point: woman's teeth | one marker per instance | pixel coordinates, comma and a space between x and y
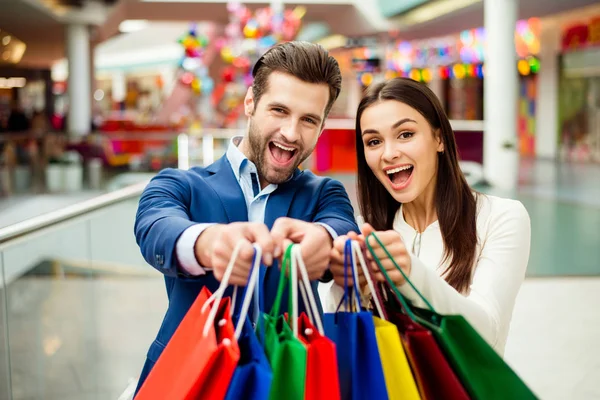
396, 170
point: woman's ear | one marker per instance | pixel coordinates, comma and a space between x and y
440, 142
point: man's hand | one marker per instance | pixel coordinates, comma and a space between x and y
215, 246
314, 240
336, 258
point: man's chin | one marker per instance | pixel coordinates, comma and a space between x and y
276, 176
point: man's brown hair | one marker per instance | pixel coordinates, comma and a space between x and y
306, 61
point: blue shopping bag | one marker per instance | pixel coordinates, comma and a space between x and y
360, 371
253, 376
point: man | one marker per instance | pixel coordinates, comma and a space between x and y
189, 222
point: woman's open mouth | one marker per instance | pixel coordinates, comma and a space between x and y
281, 154
400, 177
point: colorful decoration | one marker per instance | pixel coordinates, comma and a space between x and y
194, 73
471, 46
460, 56
247, 36
526, 114
527, 37
584, 34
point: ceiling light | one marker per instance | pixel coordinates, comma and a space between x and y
333, 42
133, 25
99, 95
9, 83
433, 10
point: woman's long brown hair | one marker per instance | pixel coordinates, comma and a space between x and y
455, 203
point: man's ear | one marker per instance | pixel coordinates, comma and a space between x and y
249, 103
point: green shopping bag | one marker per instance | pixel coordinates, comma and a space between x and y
286, 354
483, 373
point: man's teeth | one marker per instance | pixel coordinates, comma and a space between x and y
283, 147
393, 171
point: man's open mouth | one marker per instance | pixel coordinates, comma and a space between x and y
281, 153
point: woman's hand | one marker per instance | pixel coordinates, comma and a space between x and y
336, 262
395, 246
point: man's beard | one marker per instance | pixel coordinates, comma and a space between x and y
259, 148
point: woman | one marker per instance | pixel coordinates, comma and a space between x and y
465, 252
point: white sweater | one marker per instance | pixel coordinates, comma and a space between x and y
504, 234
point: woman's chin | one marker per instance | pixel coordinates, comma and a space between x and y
406, 195
403, 197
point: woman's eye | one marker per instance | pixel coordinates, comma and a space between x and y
406, 135
373, 142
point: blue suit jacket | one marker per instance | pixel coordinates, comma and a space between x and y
175, 200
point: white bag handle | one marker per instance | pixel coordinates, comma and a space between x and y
308, 296
252, 282
294, 288
357, 252
217, 296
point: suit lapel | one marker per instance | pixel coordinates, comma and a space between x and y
280, 200
228, 189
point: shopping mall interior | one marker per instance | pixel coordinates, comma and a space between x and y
99, 96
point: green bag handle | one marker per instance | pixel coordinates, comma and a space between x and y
286, 267
405, 305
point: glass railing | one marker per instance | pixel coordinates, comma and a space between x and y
78, 304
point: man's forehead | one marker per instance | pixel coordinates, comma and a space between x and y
284, 89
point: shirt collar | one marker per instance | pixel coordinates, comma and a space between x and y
236, 158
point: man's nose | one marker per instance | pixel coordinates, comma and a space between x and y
290, 131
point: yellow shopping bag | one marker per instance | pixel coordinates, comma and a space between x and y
398, 376
399, 380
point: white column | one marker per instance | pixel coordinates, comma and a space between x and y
437, 85
546, 111
79, 84
119, 86
500, 155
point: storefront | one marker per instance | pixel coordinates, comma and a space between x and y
579, 92
454, 68
31, 88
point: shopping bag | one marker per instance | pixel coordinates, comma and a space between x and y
253, 376
321, 362
200, 358
353, 332
286, 354
483, 373
433, 374
399, 379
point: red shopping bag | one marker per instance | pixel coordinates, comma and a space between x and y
322, 381
197, 362
321, 363
434, 376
